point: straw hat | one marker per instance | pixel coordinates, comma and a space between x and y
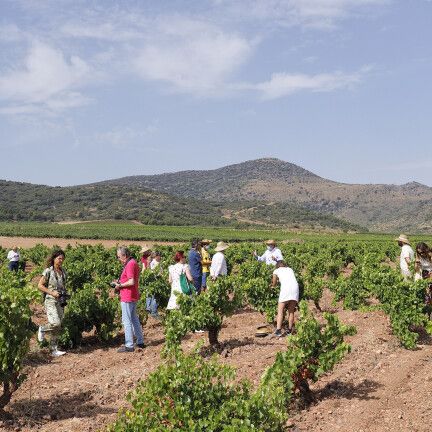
221, 246
270, 242
403, 238
206, 241
145, 248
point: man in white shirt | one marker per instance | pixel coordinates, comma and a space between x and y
272, 255
13, 256
218, 266
406, 256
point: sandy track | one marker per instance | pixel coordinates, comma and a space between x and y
28, 242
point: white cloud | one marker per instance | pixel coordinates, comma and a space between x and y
192, 56
45, 81
285, 84
122, 137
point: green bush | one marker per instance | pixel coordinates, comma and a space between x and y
16, 295
191, 394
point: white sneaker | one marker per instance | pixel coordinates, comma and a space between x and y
57, 353
41, 334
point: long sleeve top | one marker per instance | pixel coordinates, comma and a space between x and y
218, 266
271, 257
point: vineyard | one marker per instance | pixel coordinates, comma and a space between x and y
225, 379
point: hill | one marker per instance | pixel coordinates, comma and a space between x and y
27, 202
379, 207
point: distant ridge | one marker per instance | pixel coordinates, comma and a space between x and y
379, 207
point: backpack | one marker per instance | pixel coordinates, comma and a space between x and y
186, 287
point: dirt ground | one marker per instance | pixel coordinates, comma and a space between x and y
28, 242
378, 387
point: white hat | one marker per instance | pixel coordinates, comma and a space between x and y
145, 248
221, 246
403, 238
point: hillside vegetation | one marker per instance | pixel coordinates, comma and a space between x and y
378, 207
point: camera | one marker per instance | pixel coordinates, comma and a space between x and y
63, 298
112, 284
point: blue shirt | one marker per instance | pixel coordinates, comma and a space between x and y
195, 263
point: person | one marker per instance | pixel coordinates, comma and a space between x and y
156, 259
288, 295
13, 256
406, 256
423, 268
272, 255
145, 258
219, 265
205, 261
195, 265
175, 271
53, 285
127, 286
151, 303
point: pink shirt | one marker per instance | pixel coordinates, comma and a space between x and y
130, 270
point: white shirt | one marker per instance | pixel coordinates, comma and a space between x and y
218, 265
13, 256
271, 256
289, 286
406, 252
154, 264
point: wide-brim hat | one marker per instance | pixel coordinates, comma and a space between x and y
263, 330
206, 241
403, 238
145, 248
270, 242
221, 246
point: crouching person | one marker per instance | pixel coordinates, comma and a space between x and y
127, 286
53, 285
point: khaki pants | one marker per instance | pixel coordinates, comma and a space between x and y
55, 316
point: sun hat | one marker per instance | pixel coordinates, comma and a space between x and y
263, 330
206, 241
270, 242
221, 246
403, 238
145, 248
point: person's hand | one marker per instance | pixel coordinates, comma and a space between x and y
254, 253
55, 294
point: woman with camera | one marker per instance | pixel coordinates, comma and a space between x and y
53, 286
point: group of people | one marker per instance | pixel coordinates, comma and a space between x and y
200, 268
422, 259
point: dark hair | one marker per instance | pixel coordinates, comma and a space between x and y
422, 249
195, 243
53, 256
280, 263
146, 254
157, 254
179, 256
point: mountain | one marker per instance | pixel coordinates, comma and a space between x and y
379, 207
27, 202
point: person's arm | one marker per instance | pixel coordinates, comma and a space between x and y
277, 255
274, 280
188, 274
130, 274
41, 286
262, 257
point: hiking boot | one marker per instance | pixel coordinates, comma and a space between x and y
125, 349
142, 346
57, 353
40, 334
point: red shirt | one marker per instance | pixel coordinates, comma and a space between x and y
130, 293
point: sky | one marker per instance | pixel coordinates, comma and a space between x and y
93, 90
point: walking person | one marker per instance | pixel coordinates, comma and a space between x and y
288, 296
219, 265
53, 285
127, 286
205, 261
13, 256
272, 255
195, 265
406, 256
175, 271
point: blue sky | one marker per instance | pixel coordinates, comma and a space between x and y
91, 90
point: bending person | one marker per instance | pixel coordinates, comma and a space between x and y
288, 296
